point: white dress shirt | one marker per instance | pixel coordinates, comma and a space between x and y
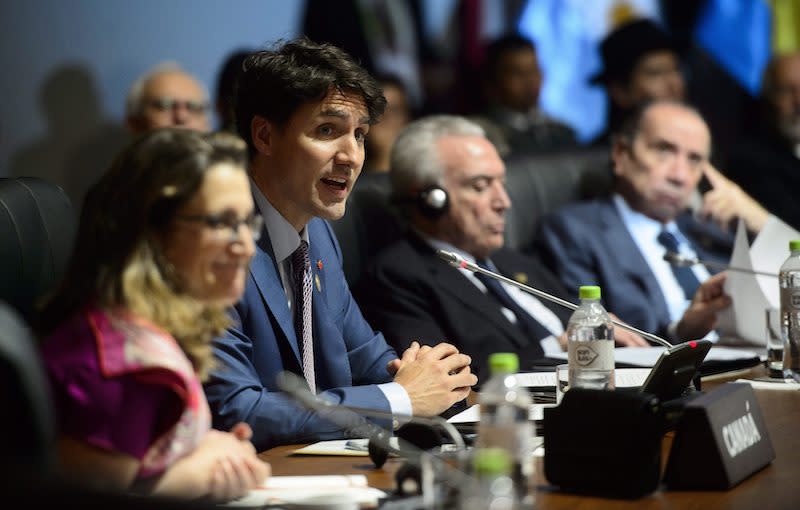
644, 231
526, 301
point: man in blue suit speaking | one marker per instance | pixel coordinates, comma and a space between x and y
304, 110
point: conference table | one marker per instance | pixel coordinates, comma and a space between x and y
775, 487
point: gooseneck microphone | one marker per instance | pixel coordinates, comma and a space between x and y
457, 260
676, 259
354, 423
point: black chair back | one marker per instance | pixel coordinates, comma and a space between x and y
37, 230
28, 425
540, 184
369, 224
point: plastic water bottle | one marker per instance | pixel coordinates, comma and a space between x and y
789, 277
495, 487
504, 422
590, 343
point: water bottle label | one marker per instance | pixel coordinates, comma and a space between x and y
790, 298
597, 354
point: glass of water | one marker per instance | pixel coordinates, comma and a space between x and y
562, 381
774, 342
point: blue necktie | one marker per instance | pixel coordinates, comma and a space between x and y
529, 326
685, 276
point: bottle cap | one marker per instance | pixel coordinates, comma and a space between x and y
794, 245
503, 362
589, 292
492, 461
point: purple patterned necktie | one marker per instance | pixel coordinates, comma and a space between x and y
301, 268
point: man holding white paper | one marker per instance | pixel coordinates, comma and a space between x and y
618, 242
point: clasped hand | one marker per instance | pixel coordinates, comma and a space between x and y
435, 378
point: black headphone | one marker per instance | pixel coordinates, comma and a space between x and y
433, 202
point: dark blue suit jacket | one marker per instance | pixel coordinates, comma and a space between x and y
349, 357
588, 244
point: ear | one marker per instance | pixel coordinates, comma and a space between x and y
260, 131
620, 149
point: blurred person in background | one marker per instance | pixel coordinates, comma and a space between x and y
383, 134
640, 62
512, 120
226, 89
167, 96
766, 162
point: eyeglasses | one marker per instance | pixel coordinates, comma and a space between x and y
164, 104
225, 226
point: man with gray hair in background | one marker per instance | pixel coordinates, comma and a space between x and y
167, 96
450, 182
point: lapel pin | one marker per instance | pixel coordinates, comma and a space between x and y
319, 265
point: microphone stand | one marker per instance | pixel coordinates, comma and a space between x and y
677, 259
456, 260
352, 420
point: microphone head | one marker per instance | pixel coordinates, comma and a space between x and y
451, 258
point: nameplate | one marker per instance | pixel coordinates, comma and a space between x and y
720, 440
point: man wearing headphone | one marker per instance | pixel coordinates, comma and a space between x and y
450, 184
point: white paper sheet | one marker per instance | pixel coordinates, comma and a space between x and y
744, 322
777, 385
294, 489
623, 378
472, 414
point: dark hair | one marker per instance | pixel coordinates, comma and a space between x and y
499, 47
276, 83
117, 260
632, 123
626, 45
391, 79
226, 88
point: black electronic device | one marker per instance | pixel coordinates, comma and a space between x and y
606, 443
433, 202
675, 370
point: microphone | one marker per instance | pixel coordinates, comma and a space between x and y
352, 420
676, 259
457, 260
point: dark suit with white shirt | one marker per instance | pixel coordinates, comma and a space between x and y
408, 293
